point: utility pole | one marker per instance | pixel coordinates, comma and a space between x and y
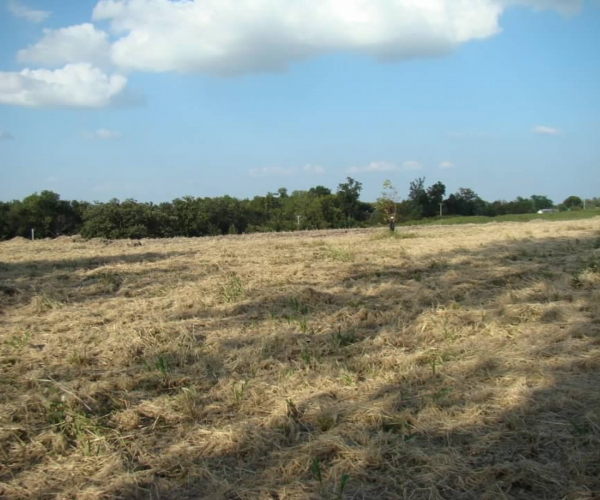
32, 234
298, 216
441, 205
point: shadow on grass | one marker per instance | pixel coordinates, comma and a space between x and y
73, 281
432, 403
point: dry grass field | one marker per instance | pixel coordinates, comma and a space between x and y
458, 362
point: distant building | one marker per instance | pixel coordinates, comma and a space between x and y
547, 210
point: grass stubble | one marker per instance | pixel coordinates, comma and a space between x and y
444, 362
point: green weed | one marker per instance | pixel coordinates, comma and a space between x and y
45, 302
80, 430
344, 339
162, 366
448, 335
400, 428
238, 392
233, 290
292, 409
306, 356
315, 470
340, 254
303, 324
299, 307
78, 358
17, 342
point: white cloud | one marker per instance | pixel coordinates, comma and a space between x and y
103, 134
307, 169
234, 37
82, 43
21, 11
5, 136
75, 85
271, 171
240, 36
446, 164
543, 130
374, 166
313, 169
412, 165
384, 166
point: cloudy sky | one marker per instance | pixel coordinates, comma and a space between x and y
155, 99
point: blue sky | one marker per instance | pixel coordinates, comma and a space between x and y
156, 99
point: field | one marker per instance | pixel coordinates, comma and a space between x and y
482, 219
452, 362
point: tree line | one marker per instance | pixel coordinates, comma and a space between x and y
316, 208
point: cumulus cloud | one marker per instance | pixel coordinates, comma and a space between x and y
412, 165
76, 44
374, 166
307, 169
313, 169
240, 36
384, 166
446, 164
75, 85
233, 37
103, 134
5, 136
271, 171
21, 11
543, 130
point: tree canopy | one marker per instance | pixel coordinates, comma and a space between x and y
315, 208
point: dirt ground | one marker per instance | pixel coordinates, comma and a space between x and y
455, 362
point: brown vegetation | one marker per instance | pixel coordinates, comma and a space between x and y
445, 362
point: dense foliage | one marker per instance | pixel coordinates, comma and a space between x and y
317, 208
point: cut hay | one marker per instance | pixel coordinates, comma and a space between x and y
460, 362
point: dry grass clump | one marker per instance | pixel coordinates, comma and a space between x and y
445, 362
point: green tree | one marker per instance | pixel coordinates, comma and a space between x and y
435, 196
127, 219
573, 202
46, 213
522, 206
417, 198
319, 191
348, 194
592, 202
465, 202
5, 226
425, 202
541, 202
387, 203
